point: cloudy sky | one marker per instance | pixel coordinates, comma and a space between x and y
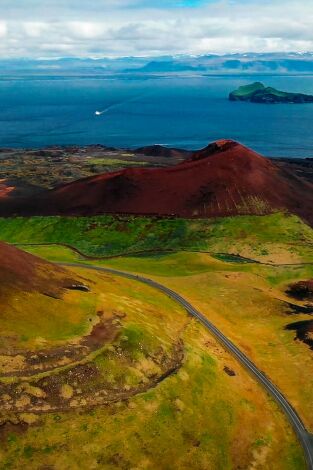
54, 28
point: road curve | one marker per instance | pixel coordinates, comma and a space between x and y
305, 438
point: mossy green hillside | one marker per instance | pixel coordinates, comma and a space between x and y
258, 236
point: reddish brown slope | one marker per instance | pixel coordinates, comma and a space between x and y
23, 271
223, 179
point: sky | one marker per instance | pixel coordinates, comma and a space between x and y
115, 28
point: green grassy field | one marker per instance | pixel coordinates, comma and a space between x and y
161, 384
115, 162
261, 237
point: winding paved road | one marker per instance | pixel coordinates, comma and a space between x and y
305, 438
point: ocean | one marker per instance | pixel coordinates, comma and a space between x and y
184, 112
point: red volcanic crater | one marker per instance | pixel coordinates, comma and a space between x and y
222, 179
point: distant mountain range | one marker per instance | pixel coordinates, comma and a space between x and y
277, 63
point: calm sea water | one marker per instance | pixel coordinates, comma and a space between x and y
180, 112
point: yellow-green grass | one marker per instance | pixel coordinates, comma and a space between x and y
183, 263
163, 264
136, 311
115, 162
248, 303
30, 320
240, 297
53, 253
198, 418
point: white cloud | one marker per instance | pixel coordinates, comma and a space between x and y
85, 30
35, 29
3, 29
118, 27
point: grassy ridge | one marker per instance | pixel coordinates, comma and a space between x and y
108, 235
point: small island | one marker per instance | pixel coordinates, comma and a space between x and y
259, 93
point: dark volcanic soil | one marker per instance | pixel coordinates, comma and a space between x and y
27, 172
302, 167
302, 290
160, 151
223, 179
83, 385
304, 331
